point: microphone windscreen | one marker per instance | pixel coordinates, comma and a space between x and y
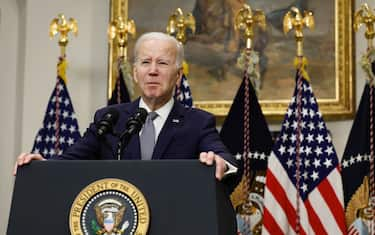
111, 116
107, 121
141, 114
136, 121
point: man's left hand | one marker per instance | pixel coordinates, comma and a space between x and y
209, 158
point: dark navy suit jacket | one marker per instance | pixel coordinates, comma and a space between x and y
186, 133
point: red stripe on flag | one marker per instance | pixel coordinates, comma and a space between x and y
278, 191
330, 196
270, 223
314, 220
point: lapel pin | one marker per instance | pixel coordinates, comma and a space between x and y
175, 121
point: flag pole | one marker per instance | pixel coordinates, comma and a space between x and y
365, 16
245, 20
293, 19
62, 26
177, 26
118, 31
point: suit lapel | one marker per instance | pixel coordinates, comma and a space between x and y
133, 150
172, 124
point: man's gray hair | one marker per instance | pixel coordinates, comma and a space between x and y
164, 37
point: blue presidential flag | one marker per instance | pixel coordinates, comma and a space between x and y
245, 132
120, 93
358, 166
356, 170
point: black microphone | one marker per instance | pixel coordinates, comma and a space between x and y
136, 121
133, 126
107, 122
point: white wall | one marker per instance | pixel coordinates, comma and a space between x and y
28, 70
10, 80
85, 55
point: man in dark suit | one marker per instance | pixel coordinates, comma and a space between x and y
178, 132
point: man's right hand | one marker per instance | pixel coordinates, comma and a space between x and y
26, 158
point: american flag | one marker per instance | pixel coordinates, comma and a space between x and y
183, 93
60, 127
314, 179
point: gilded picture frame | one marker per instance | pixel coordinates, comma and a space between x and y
329, 50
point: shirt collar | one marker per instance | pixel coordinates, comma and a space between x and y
163, 111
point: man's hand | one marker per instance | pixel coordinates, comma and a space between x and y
26, 158
209, 158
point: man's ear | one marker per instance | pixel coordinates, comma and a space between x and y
135, 74
179, 76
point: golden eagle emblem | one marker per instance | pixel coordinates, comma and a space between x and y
109, 214
359, 206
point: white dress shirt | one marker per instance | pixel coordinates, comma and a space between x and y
159, 121
162, 112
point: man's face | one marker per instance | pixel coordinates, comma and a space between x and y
155, 70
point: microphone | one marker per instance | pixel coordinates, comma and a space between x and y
107, 122
133, 126
136, 121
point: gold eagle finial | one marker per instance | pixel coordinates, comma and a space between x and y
365, 16
178, 24
294, 19
62, 26
118, 30
246, 19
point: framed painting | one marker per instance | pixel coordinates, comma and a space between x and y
212, 51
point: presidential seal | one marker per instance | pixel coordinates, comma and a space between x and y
109, 207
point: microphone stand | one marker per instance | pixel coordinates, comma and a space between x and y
119, 147
124, 139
